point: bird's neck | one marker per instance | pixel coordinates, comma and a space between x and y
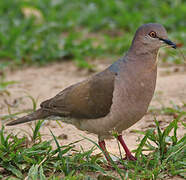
143, 59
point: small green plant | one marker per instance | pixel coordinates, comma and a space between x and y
160, 154
4, 84
46, 31
20, 157
178, 112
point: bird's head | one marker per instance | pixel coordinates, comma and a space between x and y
151, 37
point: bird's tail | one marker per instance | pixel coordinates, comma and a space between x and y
39, 114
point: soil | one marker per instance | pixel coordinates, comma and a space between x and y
44, 82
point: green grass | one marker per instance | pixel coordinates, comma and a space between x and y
160, 154
4, 84
80, 30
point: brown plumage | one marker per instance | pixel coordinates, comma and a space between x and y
85, 99
114, 99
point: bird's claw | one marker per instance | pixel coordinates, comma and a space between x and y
130, 157
110, 167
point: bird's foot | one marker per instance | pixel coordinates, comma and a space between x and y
110, 167
130, 157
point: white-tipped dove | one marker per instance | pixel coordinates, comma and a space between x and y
114, 99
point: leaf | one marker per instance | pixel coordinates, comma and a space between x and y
58, 146
4, 84
36, 129
2, 136
34, 102
98, 168
14, 170
168, 129
159, 132
41, 175
141, 145
33, 172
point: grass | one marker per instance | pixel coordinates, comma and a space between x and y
160, 154
4, 84
40, 32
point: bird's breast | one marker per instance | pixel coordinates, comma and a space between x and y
132, 94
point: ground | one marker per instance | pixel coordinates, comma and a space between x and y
44, 82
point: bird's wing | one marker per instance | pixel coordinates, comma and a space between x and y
90, 99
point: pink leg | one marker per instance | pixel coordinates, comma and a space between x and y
103, 147
129, 155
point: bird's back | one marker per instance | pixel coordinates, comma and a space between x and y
89, 99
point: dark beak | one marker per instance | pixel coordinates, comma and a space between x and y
170, 43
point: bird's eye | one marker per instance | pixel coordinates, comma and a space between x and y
152, 34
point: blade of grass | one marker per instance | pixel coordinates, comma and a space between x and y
112, 162
36, 130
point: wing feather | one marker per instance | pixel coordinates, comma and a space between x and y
91, 98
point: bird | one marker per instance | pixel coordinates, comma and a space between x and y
114, 99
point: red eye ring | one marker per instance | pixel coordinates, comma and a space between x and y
152, 34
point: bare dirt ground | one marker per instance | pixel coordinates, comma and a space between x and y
44, 82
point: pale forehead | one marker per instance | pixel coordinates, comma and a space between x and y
147, 28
